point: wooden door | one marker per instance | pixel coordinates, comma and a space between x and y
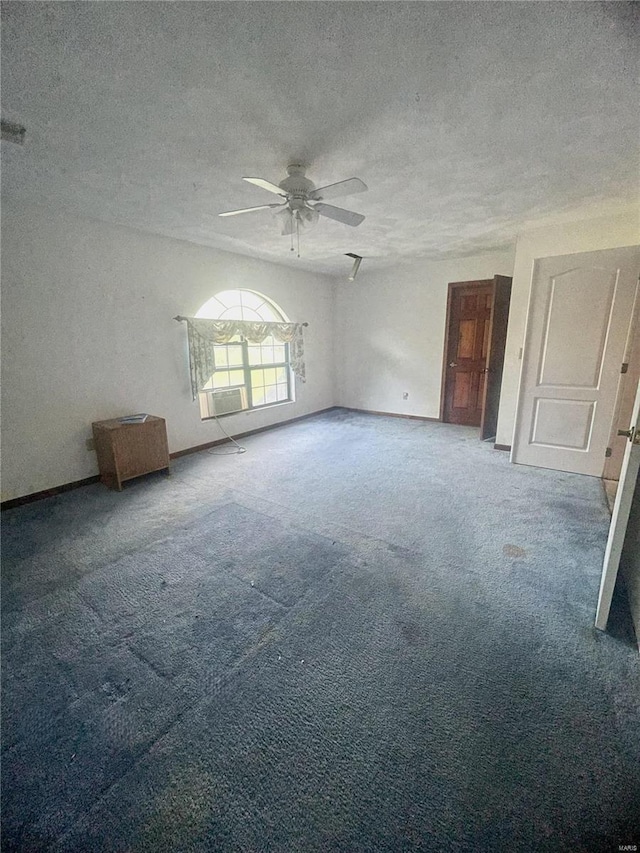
579, 315
620, 516
495, 357
466, 350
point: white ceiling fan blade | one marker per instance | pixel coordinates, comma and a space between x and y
348, 187
266, 185
248, 209
348, 217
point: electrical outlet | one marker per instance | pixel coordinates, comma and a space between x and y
405, 395
90, 444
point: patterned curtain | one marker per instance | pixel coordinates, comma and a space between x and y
205, 334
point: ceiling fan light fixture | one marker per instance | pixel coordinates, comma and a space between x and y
307, 215
286, 221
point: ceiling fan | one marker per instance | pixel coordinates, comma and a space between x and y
302, 203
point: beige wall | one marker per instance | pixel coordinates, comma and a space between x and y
88, 334
608, 232
390, 324
390, 328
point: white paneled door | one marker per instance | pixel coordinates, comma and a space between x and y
620, 516
579, 314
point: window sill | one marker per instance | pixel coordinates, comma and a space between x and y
249, 411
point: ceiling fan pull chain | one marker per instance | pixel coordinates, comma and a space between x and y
298, 233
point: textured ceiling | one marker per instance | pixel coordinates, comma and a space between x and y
466, 120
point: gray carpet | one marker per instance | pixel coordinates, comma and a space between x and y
364, 634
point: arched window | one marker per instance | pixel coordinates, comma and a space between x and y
245, 376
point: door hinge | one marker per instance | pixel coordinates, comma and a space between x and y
624, 367
608, 453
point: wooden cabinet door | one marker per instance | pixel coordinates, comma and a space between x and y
467, 350
141, 448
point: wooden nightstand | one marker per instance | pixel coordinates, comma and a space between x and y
127, 450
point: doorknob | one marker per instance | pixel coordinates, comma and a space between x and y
453, 364
632, 434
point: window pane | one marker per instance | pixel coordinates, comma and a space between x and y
258, 396
250, 299
228, 297
228, 379
271, 392
269, 315
220, 356
281, 374
239, 310
233, 313
221, 379
269, 376
212, 309
278, 353
255, 355
283, 392
235, 356
267, 354
240, 302
257, 378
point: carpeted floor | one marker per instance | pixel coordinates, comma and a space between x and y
364, 634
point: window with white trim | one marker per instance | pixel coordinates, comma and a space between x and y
245, 376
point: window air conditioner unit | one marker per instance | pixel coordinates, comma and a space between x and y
228, 400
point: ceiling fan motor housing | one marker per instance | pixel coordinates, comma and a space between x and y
296, 186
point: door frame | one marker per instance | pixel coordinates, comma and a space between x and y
483, 282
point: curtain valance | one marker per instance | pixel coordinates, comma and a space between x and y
205, 334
